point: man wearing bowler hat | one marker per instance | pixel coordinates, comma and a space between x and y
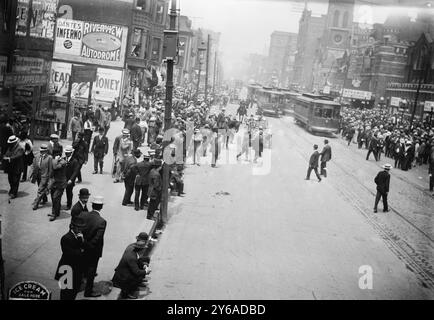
42, 169
132, 268
93, 233
155, 188
81, 205
72, 244
129, 176
382, 180
141, 183
99, 149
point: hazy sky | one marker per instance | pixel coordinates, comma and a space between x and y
246, 25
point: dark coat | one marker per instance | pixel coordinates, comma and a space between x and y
313, 161
155, 184
81, 150
142, 170
72, 169
55, 149
77, 209
59, 173
72, 254
136, 132
382, 180
129, 270
93, 233
129, 173
99, 146
326, 153
16, 163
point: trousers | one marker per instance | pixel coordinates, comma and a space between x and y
153, 206
378, 196
42, 191
129, 188
14, 183
324, 168
140, 196
56, 199
315, 169
69, 194
90, 272
98, 161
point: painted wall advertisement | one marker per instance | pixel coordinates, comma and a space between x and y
106, 87
90, 42
42, 19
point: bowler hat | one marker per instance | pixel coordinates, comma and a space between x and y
83, 192
143, 236
137, 153
78, 221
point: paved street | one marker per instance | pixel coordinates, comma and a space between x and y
31, 243
276, 236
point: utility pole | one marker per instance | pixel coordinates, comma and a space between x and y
424, 71
207, 66
171, 47
215, 74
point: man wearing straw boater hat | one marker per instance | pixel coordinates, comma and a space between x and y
42, 169
14, 165
93, 233
382, 181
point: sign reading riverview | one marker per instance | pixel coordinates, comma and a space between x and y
90, 42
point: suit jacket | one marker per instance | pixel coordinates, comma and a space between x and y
45, 169
142, 170
155, 184
81, 150
313, 162
93, 233
326, 153
99, 146
55, 149
129, 172
16, 163
382, 180
72, 254
77, 209
130, 268
72, 169
136, 132
59, 173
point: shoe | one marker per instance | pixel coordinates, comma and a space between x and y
95, 172
375, 211
319, 180
52, 218
137, 209
92, 294
386, 210
124, 204
132, 296
12, 196
50, 215
306, 179
68, 207
100, 172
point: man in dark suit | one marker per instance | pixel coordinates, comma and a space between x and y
42, 169
14, 158
136, 134
81, 150
130, 176
71, 172
81, 205
72, 244
313, 163
57, 185
326, 155
54, 147
155, 188
373, 145
131, 271
93, 233
141, 171
382, 181
99, 149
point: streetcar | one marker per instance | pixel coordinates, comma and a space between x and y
270, 102
318, 113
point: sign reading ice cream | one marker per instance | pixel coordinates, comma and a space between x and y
89, 42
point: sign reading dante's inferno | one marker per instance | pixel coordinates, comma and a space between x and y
29, 290
89, 42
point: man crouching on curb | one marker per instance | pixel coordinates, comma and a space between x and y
132, 269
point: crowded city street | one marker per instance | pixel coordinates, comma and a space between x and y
166, 151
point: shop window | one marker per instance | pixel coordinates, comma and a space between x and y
156, 44
327, 113
159, 13
136, 43
345, 20
318, 112
336, 19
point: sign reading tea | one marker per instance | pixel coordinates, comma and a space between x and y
89, 42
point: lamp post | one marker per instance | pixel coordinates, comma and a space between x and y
200, 50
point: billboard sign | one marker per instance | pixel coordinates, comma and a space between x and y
89, 42
429, 105
106, 87
356, 94
395, 101
27, 65
43, 19
24, 79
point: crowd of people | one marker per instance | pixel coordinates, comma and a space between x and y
380, 132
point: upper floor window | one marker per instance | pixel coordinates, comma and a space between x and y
345, 20
159, 15
138, 43
336, 19
156, 44
143, 5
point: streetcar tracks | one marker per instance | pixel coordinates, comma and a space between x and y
415, 260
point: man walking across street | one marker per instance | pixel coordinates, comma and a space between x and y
72, 169
14, 158
75, 126
382, 180
326, 155
81, 205
42, 169
88, 130
373, 145
99, 149
93, 233
81, 150
313, 163
58, 185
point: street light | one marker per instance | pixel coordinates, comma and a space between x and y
200, 50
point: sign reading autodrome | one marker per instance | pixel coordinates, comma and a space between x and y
89, 42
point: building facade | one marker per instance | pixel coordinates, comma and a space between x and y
281, 57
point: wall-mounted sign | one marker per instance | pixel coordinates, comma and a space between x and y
356, 94
24, 80
89, 42
395, 101
27, 65
42, 19
429, 105
3, 66
29, 290
106, 87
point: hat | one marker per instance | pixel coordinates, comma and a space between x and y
43, 147
98, 200
137, 153
83, 192
69, 149
12, 139
143, 236
80, 134
387, 166
146, 155
125, 131
152, 119
54, 136
78, 221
